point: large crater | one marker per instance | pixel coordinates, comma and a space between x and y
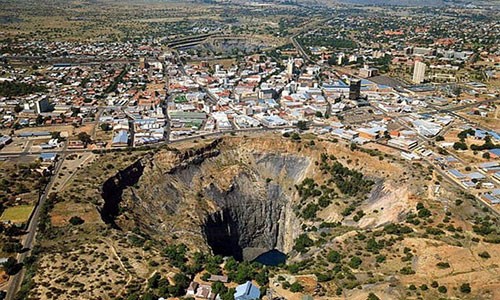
254, 212
238, 202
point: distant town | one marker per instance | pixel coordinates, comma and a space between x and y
418, 84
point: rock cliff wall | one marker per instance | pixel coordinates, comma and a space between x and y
238, 201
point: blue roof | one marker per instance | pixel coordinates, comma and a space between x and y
247, 291
121, 137
48, 156
491, 198
35, 133
490, 164
482, 134
456, 173
450, 159
495, 151
475, 175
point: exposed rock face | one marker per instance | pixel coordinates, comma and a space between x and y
254, 212
112, 189
238, 201
251, 219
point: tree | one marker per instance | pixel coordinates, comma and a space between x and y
460, 146
229, 295
334, 257
148, 296
39, 119
465, 288
442, 289
84, 137
319, 114
176, 254
296, 287
295, 136
262, 277
205, 276
231, 264
486, 155
355, 262
18, 108
302, 243
219, 288
154, 281
106, 127
302, 125
181, 284
372, 296
11, 266
11, 247
443, 265
309, 212
439, 138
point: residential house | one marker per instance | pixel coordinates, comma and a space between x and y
247, 291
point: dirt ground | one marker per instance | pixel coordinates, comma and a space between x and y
465, 266
70, 166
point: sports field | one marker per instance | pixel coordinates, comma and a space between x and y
17, 214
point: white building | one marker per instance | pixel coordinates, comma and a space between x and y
419, 72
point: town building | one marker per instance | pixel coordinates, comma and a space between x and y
247, 291
368, 72
419, 72
42, 105
355, 89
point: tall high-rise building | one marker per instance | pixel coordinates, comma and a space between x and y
289, 67
340, 58
42, 105
142, 62
419, 72
355, 89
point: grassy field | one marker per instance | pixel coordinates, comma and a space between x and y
17, 214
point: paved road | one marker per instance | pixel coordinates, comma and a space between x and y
438, 110
29, 239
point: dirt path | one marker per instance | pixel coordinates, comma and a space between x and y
113, 250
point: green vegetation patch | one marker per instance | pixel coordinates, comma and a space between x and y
12, 89
17, 214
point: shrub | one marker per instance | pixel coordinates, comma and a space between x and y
407, 271
372, 296
443, 265
355, 262
309, 212
465, 288
484, 255
434, 231
296, 287
323, 277
285, 285
302, 243
333, 256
